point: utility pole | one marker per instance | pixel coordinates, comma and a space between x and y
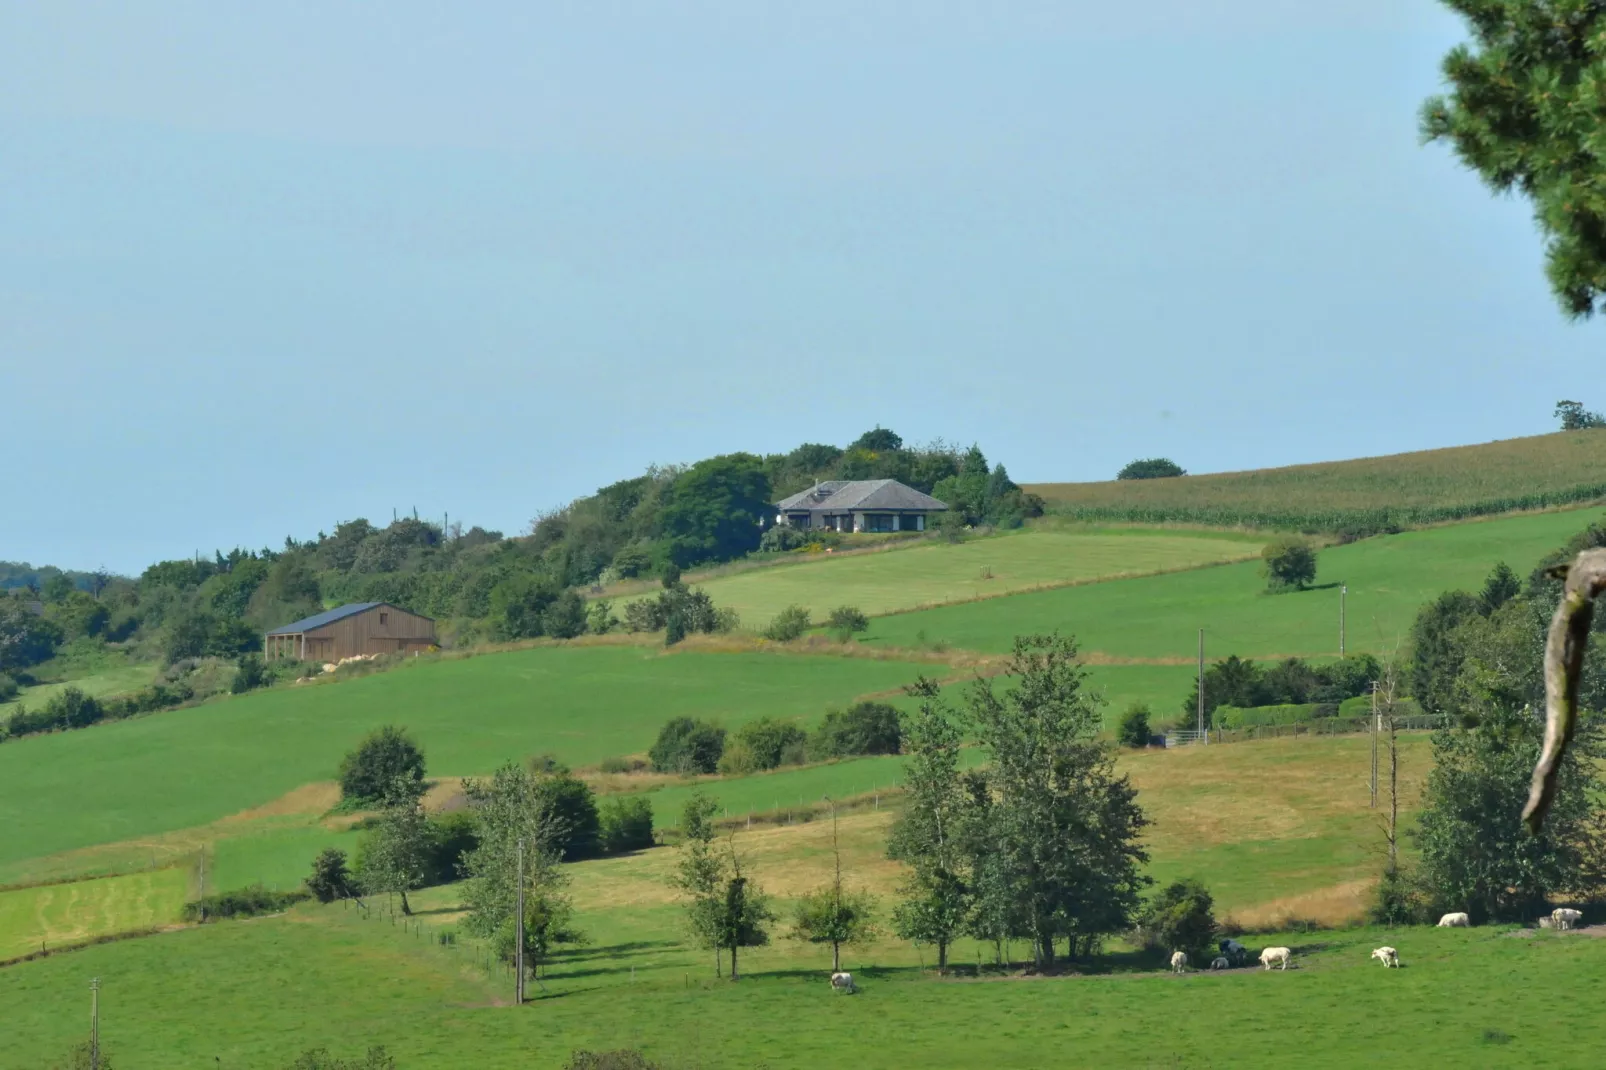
1343, 590
1201, 687
94, 1023
518, 936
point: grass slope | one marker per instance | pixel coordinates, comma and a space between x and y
1407, 488
1389, 578
929, 573
322, 977
187, 767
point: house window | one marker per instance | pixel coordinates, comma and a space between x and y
877, 522
920, 522
384, 619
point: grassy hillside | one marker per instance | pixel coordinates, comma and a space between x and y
1405, 489
1389, 579
186, 767
323, 977
930, 573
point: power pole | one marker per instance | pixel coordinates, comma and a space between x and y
518, 936
1343, 590
1201, 687
94, 1023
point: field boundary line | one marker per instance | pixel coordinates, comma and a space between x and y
55, 882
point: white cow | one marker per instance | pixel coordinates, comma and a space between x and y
1457, 920
1565, 917
843, 982
1273, 956
1220, 963
1179, 961
1387, 956
1235, 951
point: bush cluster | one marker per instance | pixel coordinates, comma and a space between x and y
764, 744
72, 708
1241, 683
626, 824
789, 624
863, 728
241, 903
1180, 917
687, 746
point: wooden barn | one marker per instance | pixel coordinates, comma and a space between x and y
349, 631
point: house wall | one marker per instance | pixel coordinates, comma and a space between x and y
381, 630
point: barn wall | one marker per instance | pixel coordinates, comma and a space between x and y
363, 633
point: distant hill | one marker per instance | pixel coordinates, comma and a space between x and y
1360, 497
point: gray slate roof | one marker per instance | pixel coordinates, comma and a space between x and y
328, 616
841, 495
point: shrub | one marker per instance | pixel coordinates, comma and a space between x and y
1151, 468
626, 823
8, 688
565, 618
73, 709
789, 624
376, 1058
767, 740
387, 756
572, 802
450, 837
1289, 563
622, 1059
251, 674
782, 538
242, 903
622, 765
1180, 918
330, 879
1397, 901
846, 621
687, 746
863, 728
1134, 730
738, 760
82, 1056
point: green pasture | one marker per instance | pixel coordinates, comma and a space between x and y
930, 573
254, 994
1409, 488
56, 914
115, 678
1389, 579
184, 768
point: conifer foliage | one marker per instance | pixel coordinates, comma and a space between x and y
1526, 102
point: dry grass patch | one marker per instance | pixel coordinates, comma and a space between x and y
1340, 905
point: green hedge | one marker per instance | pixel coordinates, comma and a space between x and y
1231, 717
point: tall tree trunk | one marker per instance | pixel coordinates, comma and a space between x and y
836, 957
734, 975
406, 908
942, 957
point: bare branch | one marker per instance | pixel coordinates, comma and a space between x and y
1564, 661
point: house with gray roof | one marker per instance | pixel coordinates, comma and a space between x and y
878, 505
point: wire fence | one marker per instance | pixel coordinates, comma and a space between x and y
1321, 726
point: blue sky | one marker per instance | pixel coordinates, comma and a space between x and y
267, 267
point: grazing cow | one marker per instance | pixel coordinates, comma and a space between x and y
843, 982
1274, 956
1220, 963
1179, 961
1235, 951
1565, 917
1387, 956
1455, 921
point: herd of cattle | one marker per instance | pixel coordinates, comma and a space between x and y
1233, 954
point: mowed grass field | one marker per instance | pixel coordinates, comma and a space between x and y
931, 573
56, 914
1390, 577
1444, 484
184, 768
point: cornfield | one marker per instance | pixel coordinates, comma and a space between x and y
1362, 497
